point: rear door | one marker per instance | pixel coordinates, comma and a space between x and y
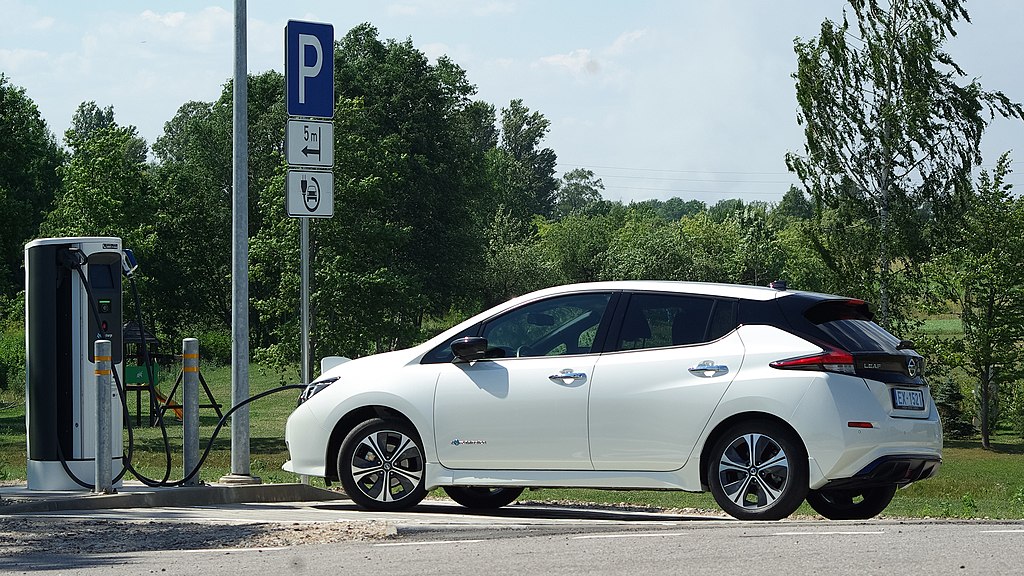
653, 393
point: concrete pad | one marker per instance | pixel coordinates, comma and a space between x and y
137, 495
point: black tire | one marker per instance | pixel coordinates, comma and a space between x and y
482, 498
381, 465
757, 470
851, 504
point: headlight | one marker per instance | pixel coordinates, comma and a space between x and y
313, 387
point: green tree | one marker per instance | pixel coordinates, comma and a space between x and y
888, 116
29, 160
695, 248
761, 249
983, 279
795, 205
191, 277
106, 189
578, 192
576, 245
724, 209
522, 171
191, 271
410, 192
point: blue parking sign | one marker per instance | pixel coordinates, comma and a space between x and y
309, 68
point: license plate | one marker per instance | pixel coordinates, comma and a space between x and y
904, 399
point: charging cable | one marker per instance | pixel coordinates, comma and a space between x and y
74, 259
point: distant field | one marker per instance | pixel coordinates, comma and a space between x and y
942, 327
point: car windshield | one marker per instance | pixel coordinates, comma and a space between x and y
848, 323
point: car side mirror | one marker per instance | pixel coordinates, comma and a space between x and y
470, 348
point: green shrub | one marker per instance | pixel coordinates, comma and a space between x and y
215, 346
12, 343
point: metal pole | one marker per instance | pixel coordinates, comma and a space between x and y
190, 402
304, 241
240, 260
103, 483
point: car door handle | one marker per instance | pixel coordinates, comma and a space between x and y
567, 376
707, 366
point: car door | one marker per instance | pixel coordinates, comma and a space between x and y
525, 406
667, 368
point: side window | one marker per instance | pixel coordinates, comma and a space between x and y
723, 319
658, 320
553, 327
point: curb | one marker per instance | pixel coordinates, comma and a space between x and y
179, 497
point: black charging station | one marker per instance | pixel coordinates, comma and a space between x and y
61, 328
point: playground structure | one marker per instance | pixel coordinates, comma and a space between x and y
138, 375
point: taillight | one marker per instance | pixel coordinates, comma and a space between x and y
831, 360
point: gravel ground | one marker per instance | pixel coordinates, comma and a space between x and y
21, 536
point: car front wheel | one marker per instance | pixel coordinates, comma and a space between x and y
851, 504
757, 470
482, 498
381, 465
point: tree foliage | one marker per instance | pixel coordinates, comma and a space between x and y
29, 181
891, 123
578, 192
983, 279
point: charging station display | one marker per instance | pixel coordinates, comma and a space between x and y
64, 318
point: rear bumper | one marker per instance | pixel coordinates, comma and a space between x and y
888, 470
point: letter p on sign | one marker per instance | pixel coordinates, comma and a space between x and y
309, 69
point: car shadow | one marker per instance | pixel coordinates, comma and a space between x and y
540, 511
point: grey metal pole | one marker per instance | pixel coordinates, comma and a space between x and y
240, 260
103, 483
190, 402
304, 242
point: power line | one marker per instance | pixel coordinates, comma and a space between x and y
603, 176
589, 166
675, 191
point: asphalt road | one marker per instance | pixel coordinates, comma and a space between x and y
441, 538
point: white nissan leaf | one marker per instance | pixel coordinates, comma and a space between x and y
763, 396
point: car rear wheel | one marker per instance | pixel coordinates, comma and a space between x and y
851, 504
482, 498
757, 470
381, 465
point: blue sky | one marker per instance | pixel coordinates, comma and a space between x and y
659, 98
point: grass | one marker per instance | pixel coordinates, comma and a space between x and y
942, 326
972, 483
266, 429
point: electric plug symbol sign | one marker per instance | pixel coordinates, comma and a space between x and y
310, 193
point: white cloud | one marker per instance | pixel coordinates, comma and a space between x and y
402, 10
20, 59
171, 19
195, 32
579, 62
623, 41
44, 23
451, 7
435, 50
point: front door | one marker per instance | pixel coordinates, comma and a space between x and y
526, 406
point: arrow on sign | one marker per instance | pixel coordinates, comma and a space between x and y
307, 151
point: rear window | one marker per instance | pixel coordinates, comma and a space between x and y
848, 324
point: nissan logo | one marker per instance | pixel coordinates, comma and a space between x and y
912, 367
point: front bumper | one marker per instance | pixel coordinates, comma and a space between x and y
306, 439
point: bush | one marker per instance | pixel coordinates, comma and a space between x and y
215, 346
12, 343
949, 399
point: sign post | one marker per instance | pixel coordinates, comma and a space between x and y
309, 141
